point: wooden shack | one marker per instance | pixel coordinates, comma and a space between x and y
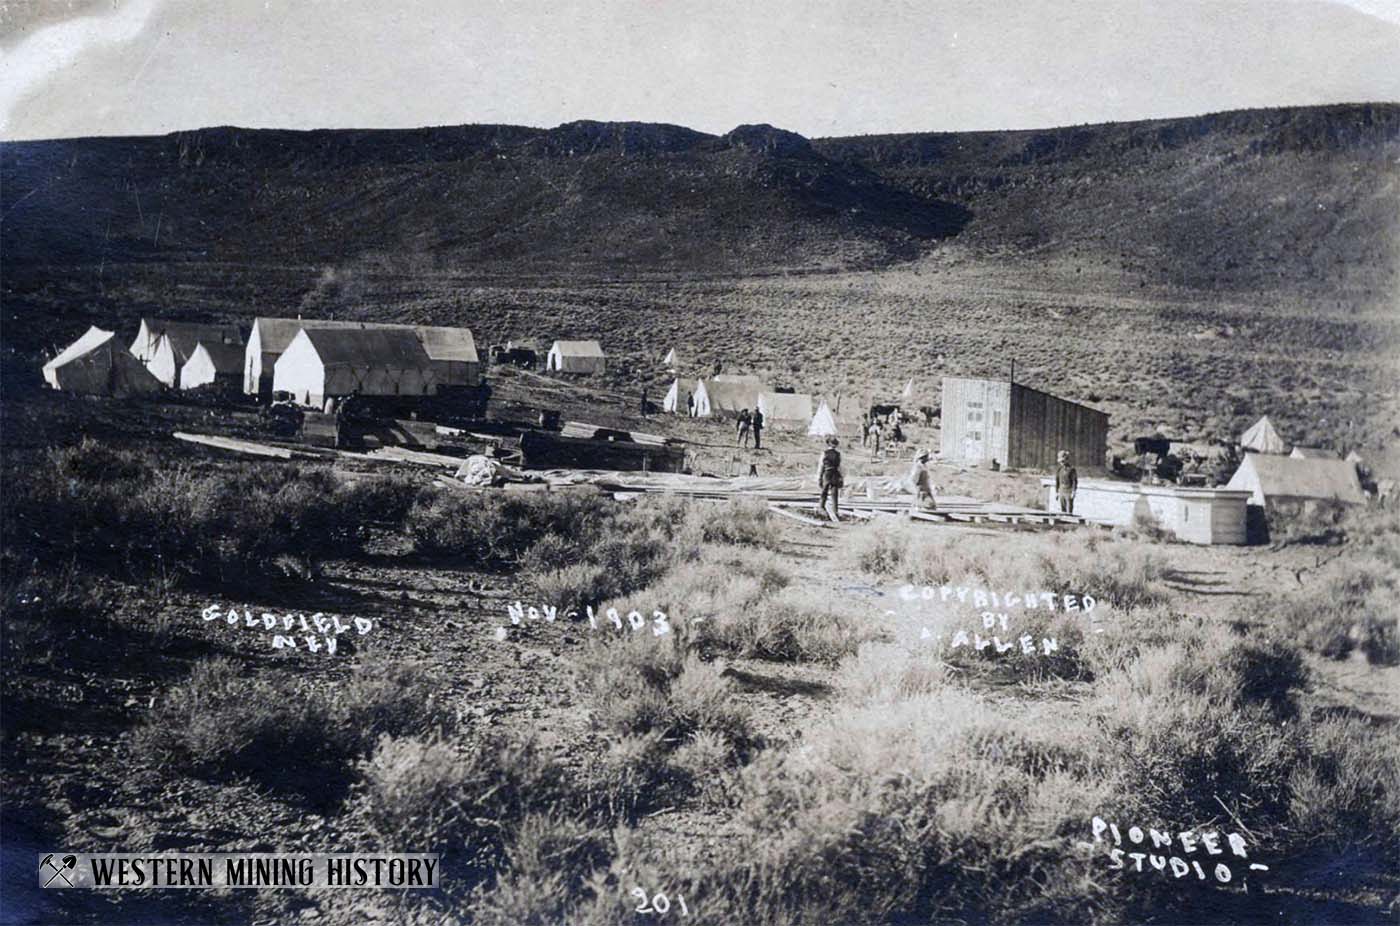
1195, 515
1017, 426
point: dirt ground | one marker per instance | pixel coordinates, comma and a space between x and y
71, 781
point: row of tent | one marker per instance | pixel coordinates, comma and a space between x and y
310, 358
728, 394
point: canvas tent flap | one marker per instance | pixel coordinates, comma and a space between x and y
670, 358
1263, 438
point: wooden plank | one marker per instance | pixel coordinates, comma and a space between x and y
236, 445
797, 517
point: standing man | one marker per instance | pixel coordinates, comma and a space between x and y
875, 435
757, 428
743, 428
644, 400
690, 403
921, 484
1066, 482
830, 479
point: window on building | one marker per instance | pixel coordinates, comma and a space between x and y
996, 419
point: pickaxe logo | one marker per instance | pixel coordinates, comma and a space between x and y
60, 869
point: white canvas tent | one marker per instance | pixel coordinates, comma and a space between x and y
676, 396
96, 364
670, 359
218, 364
1262, 438
785, 410
1276, 478
726, 397
451, 350
576, 357
325, 362
175, 343
823, 423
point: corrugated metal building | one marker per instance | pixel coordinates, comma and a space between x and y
1019, 427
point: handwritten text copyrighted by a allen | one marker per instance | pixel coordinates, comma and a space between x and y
314, 633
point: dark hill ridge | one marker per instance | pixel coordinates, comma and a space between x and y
1299, 198
584, 195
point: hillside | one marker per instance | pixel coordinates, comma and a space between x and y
584, 195
1295, 199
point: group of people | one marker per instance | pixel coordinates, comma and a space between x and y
876, 429
750, 423
831, 479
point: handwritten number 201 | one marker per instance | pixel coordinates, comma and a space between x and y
658, 904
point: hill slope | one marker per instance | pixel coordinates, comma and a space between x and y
1291, 198
590, 195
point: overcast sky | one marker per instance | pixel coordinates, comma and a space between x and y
820, 67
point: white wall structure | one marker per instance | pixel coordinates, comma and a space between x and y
1204, 516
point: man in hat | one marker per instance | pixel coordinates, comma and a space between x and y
1066, 482
920, 482
830, 479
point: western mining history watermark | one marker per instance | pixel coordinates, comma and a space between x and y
113, 870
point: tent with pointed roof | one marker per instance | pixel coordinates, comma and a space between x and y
96, 364
1262, 438
1356, 457
823, 423
786, 411
184, 336
325, 362
1274, 478
212, 364
670, 358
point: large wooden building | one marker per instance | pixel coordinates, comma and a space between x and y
1017, 426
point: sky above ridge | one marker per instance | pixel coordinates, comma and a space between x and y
819, 67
